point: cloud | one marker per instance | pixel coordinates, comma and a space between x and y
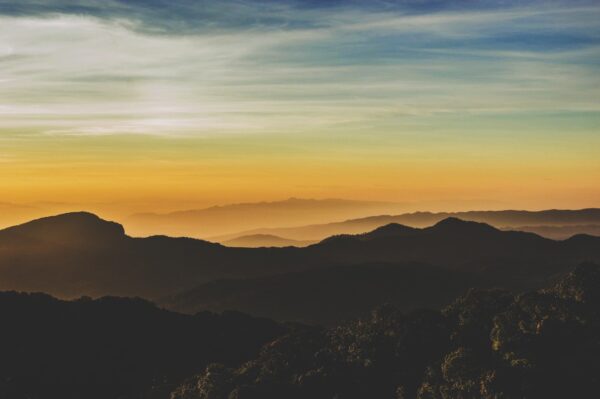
200, 16
142, 67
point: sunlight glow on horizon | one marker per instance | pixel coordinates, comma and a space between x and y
121, 106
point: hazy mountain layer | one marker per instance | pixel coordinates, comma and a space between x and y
265, 240
555, 224
226, 219
561, 232
79, 254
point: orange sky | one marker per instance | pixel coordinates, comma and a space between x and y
163, 174
118, 112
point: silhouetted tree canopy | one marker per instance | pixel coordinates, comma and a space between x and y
488, 344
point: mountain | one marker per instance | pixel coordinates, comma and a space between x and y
468, 254
540, 344
114, 347
460, 245
227, 219
561, 232
264, 240
546, 223
72, 229
485, 344
78, 254
331, 295
317, 232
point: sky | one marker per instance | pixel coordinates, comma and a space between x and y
160, 105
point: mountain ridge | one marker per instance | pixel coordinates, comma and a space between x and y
264, 240
96, 258
226, 219
76, 227
535, 221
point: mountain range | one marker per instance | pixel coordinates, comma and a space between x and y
227, 219
555, 224
393, 264
77, 254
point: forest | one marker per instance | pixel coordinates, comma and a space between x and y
488, 343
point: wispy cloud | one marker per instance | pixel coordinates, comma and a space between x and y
110, 67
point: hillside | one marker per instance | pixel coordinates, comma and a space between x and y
560, 232
331, 295
540, 344
485, 344
555, 224
80, 254
114, 347
460, 245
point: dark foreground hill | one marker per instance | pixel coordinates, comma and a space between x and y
80, 254
113, 347
77, 254
485, 345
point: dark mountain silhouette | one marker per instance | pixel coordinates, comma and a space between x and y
472, 254
388, 230
486, 344
573, 221
86, 255
114, 347
331, 295
560, 232
72, 229
460, 245
264, 240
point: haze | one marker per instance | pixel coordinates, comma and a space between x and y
121, 108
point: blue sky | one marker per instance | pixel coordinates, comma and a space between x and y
247, 58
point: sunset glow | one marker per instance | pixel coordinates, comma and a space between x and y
117, 108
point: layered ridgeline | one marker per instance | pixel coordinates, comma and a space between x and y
485, 344
408, 267
80, 254
554, 224
226, 219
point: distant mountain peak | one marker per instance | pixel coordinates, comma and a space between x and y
451, 221
392, 229
77, 216
455, 224
69, 227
